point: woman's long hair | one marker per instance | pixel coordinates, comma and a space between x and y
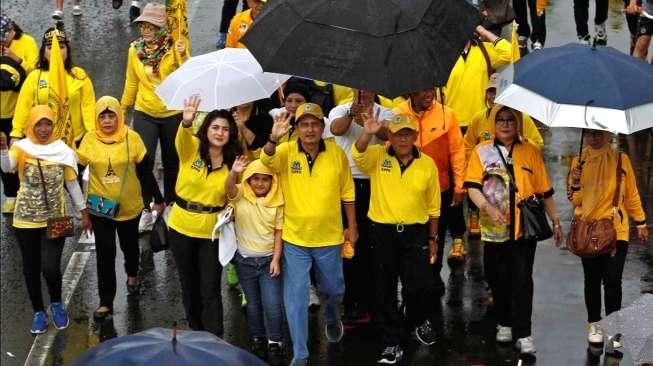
231, 149
44, 64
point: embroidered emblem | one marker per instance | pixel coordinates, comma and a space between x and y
197, 164
296, 167
243, 27
386, 166
43, 84
486, 135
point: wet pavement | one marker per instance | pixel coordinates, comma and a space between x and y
464, 326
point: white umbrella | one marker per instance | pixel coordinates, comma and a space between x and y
222, 79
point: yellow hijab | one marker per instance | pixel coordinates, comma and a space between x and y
274, 198
37, 113
493, 115
113, 105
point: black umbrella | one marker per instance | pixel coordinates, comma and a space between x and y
390, 47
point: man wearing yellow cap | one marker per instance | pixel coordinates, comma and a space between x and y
404, 212
316, 182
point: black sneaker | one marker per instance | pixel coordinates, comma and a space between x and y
391, 355
259, 346
134, 12
424, 333
275, 353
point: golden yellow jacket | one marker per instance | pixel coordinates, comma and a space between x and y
480, 129
140, 84
593, 200
26, 48
81, 96
465, 89
238, 26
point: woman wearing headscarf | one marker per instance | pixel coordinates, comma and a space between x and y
151, 58
36, 90
44, 164
19, 55
591, 187
116, 159
494, 168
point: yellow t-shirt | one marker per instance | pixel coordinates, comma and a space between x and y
107, 170
408, 197
255, 224
313, 197
196, 184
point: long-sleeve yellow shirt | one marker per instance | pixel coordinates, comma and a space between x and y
26, 48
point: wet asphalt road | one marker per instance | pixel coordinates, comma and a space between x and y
465, 328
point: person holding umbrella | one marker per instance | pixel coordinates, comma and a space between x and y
591, 187
150, 59
500, 173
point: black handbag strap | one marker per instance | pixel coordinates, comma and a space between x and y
486, 56
45, 190
124, 175
505, 164
615, 198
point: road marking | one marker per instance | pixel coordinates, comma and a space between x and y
42, 344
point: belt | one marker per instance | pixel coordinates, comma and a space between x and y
196, 207
403, 227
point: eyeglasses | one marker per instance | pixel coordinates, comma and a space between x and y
147, 27
507, 121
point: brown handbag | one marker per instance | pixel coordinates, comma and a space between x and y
58, 227
597, 237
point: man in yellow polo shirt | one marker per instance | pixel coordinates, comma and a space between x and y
404, 212
316, 182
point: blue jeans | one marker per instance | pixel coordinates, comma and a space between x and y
264, 295
297, 263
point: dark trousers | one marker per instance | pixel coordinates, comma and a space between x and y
524, 8
9, 180
199, 274
401, 255
604, 270
358, 270
452, 220
105, 250
581, 15
229, 8
152, 130
40, 255
511, 267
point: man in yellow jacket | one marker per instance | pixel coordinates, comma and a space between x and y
241, 22
19, 55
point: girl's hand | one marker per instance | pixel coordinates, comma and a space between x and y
190, 109
275, 268
239, 164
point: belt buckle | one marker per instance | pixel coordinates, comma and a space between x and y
400, 228
192, 206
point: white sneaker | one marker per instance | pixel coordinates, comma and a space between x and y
57, 14
536, 46
526, 345
77, 10
600, 34
504, 334
147, 221
586, 40
594, 333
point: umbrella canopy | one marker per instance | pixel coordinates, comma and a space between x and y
223, 79
389, 47
580, 86
635, 323
156, 347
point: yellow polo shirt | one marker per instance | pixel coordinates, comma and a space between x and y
196, 184
408, 197
313, 196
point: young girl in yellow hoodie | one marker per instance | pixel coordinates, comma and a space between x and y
258, 211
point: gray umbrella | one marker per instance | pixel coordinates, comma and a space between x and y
635, 323
387, 46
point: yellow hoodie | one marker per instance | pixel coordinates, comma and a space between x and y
81, 96
26, 48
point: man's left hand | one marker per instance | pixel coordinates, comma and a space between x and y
351, 234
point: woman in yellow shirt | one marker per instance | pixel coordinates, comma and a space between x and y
19, 55
205, 159
116, 159
591, 187
150, 59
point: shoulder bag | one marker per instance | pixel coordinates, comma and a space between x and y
596, 237
60, 226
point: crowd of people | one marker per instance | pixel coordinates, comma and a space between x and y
337, 192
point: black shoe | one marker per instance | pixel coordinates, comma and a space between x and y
134, 12
133, 289
116, 4
391, 355
101, 315
259, 346
275, 353
424, 333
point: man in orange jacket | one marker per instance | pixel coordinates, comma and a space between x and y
440, 138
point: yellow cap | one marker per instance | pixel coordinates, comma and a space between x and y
401, 121
309, 109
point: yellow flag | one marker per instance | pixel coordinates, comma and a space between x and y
178, 26
58, 94
514, 42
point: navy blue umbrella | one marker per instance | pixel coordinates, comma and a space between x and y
581, 86
160, 346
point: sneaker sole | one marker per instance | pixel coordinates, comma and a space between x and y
339, 338
422, 341
64, 327
38, 332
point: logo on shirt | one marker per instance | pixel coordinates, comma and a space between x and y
486, 135
386, 166
43, 84
110, 176
197, 164
296, 167
243, 27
